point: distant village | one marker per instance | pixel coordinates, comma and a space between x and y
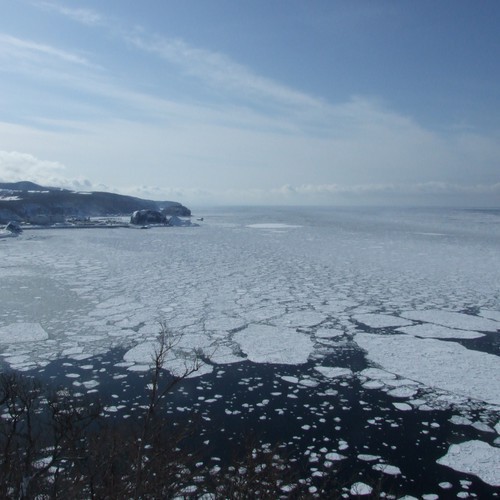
143, 219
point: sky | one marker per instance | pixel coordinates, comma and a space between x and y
255, 102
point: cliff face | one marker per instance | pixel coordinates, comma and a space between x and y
28, 202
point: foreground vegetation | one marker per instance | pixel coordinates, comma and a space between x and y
57, 445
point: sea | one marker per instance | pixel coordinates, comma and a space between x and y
364, 342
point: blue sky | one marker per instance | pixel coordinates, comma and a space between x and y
255, 102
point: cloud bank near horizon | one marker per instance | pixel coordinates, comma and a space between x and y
15, 166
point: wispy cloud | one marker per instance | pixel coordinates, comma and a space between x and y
247, 94
17, 166
88, 17
42, 61
210, 68
17, 47
220, 71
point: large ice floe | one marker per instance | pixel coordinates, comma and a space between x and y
443, 365
22, 332
474, 457
269, 344
381, 320
453, 320
439, 332
361, 313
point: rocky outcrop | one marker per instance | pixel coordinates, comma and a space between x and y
13, 227
142, 217
28, 202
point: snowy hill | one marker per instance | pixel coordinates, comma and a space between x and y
26, 201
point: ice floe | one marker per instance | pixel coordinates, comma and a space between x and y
453, 320
482, 427
381, 320
474, 457
377, 374
366, 457
269, 344
444, 365
308, 382
402, 392
333, 372
458, 420
403, 406
328, 333
142, 355
445, 485
486, 313
390, 470
302, 319
223, 354
334, 456
360, 489
430, 330
22, 332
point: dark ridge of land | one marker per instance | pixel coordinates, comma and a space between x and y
30, 202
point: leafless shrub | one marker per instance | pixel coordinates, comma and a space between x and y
55, 445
